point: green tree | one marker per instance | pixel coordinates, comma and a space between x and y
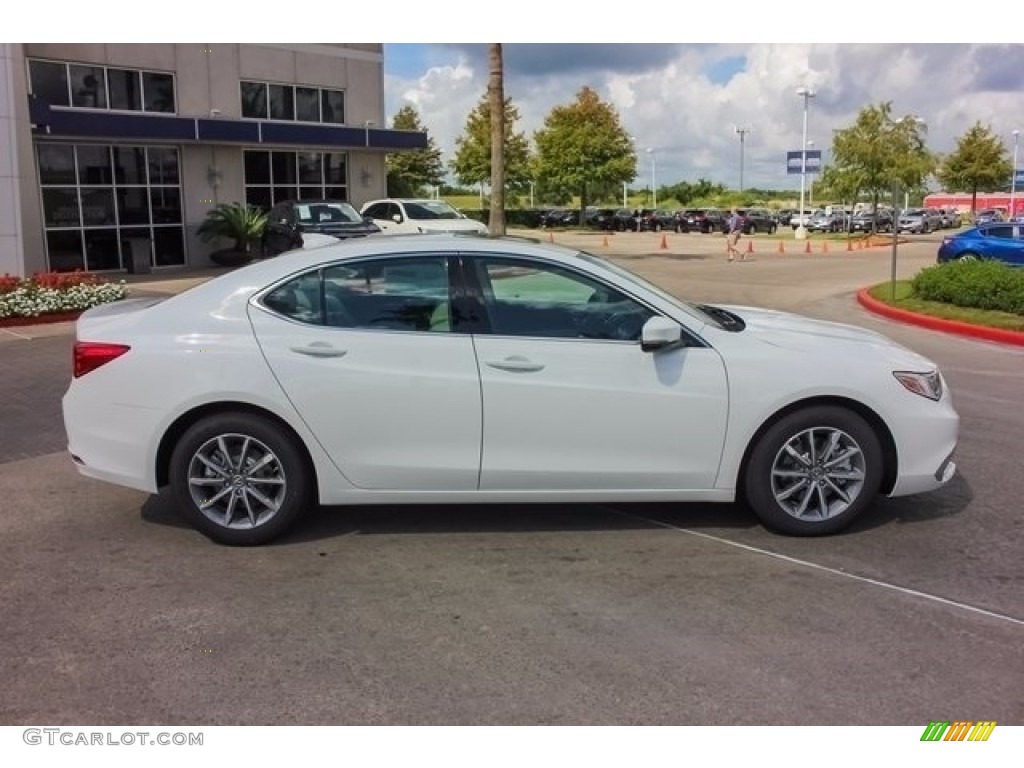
979, 162
878, 153
583, 146
409, 171
472, 160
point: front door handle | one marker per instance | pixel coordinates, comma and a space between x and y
516, 364
320, 349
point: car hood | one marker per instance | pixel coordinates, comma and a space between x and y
791, 331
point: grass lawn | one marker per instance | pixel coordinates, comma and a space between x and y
905, 299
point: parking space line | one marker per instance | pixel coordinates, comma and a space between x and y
827, 569
15, 335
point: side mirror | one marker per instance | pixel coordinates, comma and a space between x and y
397, 218
660, 333
368, 219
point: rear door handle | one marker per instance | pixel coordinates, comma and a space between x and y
320, 349
516, 364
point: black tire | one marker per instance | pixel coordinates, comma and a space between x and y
776, 484
254, 507
968, 256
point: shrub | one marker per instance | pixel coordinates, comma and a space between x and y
234, 221
55, 292
981, 284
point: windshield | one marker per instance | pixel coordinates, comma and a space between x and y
327, 213
431, 209
686, 306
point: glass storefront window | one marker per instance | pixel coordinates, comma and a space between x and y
282, 102
57, 164
98, 206
64, 249
163, 165
307, 105
254, 100
132, 205
63, 84
50, 82
89, 219
270, 177
130, 165
88, 87
101, 249
60, 207
159, 92
125, 92
333, 106
94, 164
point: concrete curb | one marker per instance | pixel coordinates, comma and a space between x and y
957, 327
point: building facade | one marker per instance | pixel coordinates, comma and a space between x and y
112, 153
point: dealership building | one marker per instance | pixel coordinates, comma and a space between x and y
111, 155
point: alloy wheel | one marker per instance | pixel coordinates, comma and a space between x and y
818, 473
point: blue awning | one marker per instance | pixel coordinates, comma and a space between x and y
115, 126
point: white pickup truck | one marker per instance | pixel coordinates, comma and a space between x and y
801, 217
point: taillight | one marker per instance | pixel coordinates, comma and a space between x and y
90, 355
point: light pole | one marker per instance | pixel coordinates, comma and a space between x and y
1013, 179
807, 94
366, 129
810, 187
531, 194
654, 178
742, 134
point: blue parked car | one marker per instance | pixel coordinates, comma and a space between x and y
1002, 241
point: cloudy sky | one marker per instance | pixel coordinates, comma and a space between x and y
685, 100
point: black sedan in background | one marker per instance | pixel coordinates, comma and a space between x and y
290, 218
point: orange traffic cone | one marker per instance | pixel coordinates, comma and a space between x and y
782, 248
551, 237
849, 244
824, 246
664, 243
750, 246
807, 246
604, 242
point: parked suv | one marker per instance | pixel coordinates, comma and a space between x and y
707, 220
290, 219
866, 221
759, 220
656, 220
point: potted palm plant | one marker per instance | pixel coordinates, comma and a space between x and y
238, 222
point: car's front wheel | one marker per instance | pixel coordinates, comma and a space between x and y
239, 478
814, 471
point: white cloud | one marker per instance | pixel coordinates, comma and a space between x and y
684, 109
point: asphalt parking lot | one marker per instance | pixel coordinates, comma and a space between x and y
116, 612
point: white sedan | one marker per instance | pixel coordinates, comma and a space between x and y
399, 216
447, 369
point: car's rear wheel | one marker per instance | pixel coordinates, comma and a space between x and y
814, 471
239, 478
968, 256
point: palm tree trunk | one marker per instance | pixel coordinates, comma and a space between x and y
496, 94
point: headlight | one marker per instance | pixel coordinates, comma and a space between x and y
924, 384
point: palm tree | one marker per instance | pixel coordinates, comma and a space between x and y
234, 221
496, 94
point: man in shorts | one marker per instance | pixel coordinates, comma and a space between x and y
733, 235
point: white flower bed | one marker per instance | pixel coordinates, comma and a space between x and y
29, 300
